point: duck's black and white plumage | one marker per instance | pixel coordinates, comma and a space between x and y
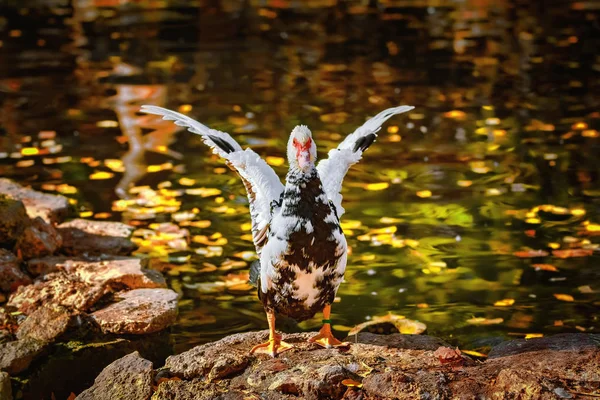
295, 228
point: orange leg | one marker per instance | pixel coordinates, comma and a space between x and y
275, 345
325, 338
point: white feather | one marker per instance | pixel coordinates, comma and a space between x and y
333, 169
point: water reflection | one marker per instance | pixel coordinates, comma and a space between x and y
506, 123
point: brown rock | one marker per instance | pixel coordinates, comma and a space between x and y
565, 341
11, 276
52, 208
45, 324
39, 239
58, 288
82, 236
113, 271
396, 340
5, 388
309, 372
140, 311
128, 378
13, 219
15, 357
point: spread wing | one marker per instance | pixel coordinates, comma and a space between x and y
261, 182
333, 169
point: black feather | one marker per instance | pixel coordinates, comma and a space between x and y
254, 273
222, 144
364, 142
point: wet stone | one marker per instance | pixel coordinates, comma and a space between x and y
111, 271
46, 323
13, 219
5, 388
139, 311
39, 239
58, 288
16, 356
560, 342
11, 275
96, 237
128, 378
52, 208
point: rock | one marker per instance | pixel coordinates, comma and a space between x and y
5, 336
11, 276
564, 341
39, 239
57, 288
73, 366
46, 323
13, 219
5, 388
226, 368
116, 272
128, 378
415, 342
15, 357
82, 236
140, 311
52, 208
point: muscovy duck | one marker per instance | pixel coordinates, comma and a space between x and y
295, 228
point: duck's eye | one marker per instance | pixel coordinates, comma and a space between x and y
295, 143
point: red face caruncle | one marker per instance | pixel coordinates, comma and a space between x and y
302, 147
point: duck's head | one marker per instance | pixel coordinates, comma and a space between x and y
301, 149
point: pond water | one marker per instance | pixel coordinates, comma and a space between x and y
476, 213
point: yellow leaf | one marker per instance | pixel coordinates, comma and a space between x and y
275, 161
455, 114
376, 186
564, 297
101, 175
504, 303
473, 353
485, 321
534, 335
464, 183
30, 151
424, 194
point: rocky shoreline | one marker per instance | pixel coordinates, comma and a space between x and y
73, 300
565, 366
70, 295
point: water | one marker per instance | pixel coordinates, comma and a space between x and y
499, 157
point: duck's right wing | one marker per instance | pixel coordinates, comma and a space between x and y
262, 183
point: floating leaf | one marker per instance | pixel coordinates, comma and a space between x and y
485, 321
545, 267
424, 194
474, 353
101, 175
531, 253
564, 297
390, 323
534, 335
572, 253
504, 303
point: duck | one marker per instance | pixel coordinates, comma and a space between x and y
301, 248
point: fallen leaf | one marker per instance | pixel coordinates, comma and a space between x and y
530, 253
545, 267
485, 321
572, 253
448, 355
351, 383
564, 297
534, 335
474, 353
394, 323
504, 303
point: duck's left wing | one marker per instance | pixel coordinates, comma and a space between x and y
333, 169
262, 183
